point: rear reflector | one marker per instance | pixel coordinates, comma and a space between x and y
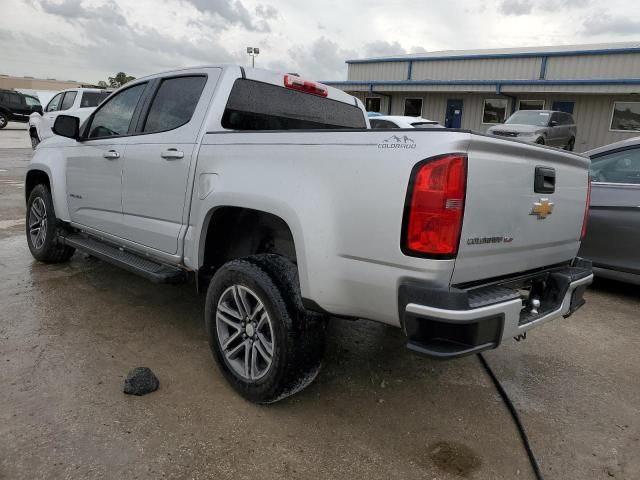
585, 219
296, 83
435, 207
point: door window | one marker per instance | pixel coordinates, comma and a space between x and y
13, 99
114, 117
68, 100
93, 99
54, 104
32, 101
617, 167
174, 103
413, 107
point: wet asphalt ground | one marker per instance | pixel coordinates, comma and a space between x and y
69, 334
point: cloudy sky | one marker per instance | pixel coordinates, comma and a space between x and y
89, 40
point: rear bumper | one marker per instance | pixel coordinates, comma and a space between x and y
450, 323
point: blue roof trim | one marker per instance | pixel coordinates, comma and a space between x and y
486, 56
610, 81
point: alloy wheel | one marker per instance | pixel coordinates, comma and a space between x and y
38, 223
245, 332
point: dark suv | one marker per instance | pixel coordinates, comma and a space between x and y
16, 107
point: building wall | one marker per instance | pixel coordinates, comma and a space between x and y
591, 112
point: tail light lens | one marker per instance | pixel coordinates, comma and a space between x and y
585, 219
435, 207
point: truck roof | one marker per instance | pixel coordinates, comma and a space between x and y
266, 76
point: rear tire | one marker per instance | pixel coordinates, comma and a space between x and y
254, 305
42, 228
4, 120
540, 141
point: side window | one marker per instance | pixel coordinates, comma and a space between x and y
14, 99
69, 98
618, 167
174, 103
114, 117
54, 104
568, 119
92, 99
32, 101
555, 118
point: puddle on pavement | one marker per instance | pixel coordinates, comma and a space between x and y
454, 457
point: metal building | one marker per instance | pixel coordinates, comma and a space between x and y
474, 89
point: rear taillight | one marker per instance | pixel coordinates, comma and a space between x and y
435, 207
585, 219
296, 83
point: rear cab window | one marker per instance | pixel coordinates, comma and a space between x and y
254, 105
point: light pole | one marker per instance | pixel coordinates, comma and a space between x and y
253, 51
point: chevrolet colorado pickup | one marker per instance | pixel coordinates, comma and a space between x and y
272, 193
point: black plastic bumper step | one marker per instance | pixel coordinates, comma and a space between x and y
150, 269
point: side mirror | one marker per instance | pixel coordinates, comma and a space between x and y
67, 126
38, 109
553, 123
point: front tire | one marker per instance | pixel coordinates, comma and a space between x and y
264, 341
4, 120
42, 228
540, 141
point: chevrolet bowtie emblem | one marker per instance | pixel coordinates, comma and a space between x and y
542, 209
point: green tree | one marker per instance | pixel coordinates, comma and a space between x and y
120, 79
103, 84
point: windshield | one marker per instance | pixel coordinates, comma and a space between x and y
524, 117
93, 99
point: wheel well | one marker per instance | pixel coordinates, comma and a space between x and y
235, 232
35, 177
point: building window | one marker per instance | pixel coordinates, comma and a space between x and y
372, 104
626, 117
531, 105
413, 107
495, 110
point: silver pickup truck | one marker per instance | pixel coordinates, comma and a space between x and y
274, 197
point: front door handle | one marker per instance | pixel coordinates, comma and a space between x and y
111, 155
172, 154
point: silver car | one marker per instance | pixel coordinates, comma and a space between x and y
544, 127
613, 228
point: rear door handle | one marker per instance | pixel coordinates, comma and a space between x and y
111, 155
172, 154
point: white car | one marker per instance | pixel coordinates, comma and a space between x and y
79, 102
398, 121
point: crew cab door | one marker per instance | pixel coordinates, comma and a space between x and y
95, 164
158, 166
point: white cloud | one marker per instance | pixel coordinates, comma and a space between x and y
89, 40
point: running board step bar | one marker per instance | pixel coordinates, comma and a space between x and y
150, 269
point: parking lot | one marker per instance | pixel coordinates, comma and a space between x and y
69, 334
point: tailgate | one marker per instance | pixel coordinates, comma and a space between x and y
508, 227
